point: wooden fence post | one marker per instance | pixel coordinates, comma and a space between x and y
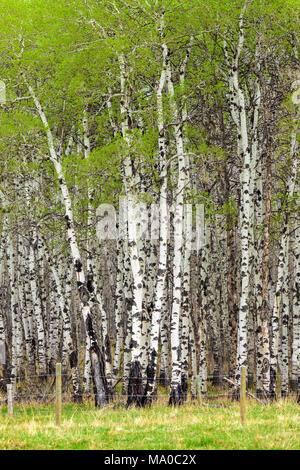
243, 394
199, 393
58, 394
9, 399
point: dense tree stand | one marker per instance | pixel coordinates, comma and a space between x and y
149, 198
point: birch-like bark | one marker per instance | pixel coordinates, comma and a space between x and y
296, 312
204, 308
176, 389
53, 328
135, 391
24, 307
231, 285
194, 364
283, 253
263, 378
119, 310
186, 313
164, 370
14, 304
100, 385
213, 318
239, 115
187, 248
91, 264
71, 349
128, 309
163, 240
285, 327
37, 308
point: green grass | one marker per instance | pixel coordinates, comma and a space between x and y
275, 426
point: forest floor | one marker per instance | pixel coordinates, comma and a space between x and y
275, 426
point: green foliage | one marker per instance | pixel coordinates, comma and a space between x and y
69, 52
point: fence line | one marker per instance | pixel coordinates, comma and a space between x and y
59, 395
165, 379
91, 394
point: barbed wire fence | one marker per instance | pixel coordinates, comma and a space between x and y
221, 395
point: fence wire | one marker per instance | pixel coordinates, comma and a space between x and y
221, 390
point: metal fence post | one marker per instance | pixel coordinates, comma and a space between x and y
10, 400
243, 394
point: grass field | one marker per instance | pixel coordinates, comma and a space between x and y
275, 426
